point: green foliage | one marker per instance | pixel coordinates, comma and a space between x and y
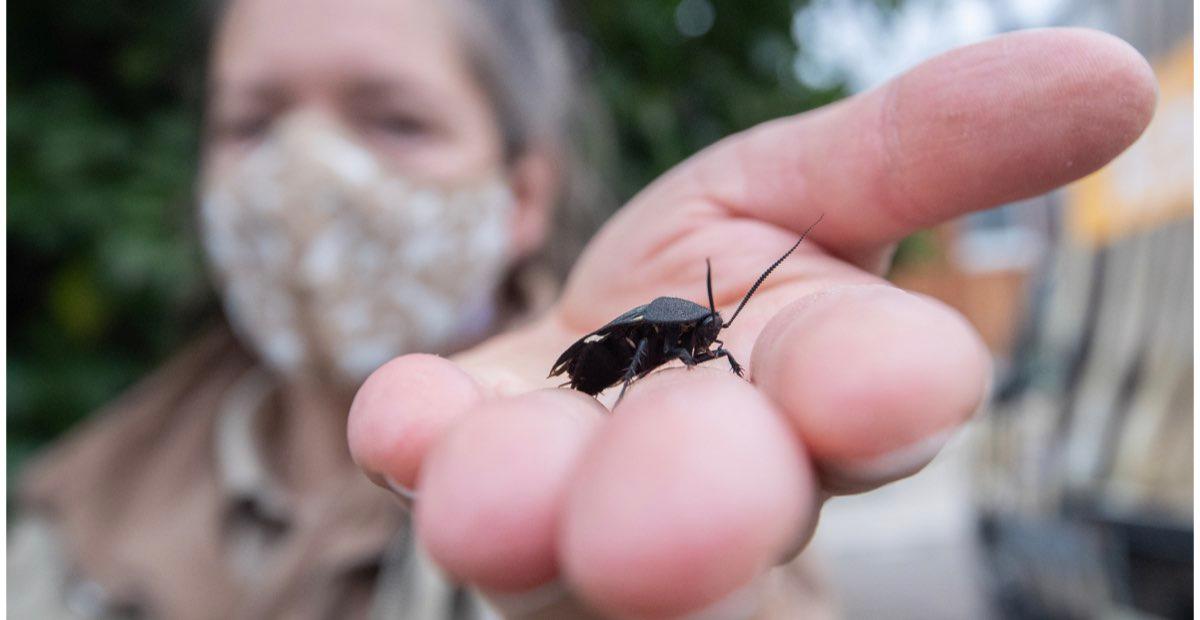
105, 278
671, 94
104, 275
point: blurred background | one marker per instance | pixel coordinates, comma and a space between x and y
1070, 497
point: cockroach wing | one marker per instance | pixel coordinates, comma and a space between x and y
626, 319
674, 311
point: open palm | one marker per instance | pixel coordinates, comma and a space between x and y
699, 482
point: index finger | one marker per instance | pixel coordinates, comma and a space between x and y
1008, 118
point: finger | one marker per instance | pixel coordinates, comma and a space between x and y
694, 486
875, 379
492, 489
401, 410
1008, 118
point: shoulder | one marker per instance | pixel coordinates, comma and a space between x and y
154, 408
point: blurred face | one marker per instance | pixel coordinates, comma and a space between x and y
391, 72
356, 201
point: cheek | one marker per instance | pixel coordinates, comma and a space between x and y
223, 158
218, 161
438, 161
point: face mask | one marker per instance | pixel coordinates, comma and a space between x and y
330, 265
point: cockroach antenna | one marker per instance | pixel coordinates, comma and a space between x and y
765, 273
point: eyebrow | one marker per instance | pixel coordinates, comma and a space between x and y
364, 90
269, 92
373, 90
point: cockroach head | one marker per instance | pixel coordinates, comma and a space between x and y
709, 327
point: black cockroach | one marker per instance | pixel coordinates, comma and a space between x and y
634, 344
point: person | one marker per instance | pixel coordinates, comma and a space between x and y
221, 487
378, 176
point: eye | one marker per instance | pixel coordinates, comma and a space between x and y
243, 128
403, 126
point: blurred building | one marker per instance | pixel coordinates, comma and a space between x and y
1085, 477
1072, 496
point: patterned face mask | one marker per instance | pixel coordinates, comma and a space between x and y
330, 265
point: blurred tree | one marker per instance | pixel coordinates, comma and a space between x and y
105, 278
679, 75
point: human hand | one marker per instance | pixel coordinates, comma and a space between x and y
699, 482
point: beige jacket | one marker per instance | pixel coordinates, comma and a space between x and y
165, 505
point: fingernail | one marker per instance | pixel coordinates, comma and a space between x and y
742, 603
857, 476
407, 496
528, 602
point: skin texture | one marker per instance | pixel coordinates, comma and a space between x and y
700, 481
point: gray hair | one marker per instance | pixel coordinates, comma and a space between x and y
521, 56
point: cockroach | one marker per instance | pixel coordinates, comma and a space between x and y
634, 344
